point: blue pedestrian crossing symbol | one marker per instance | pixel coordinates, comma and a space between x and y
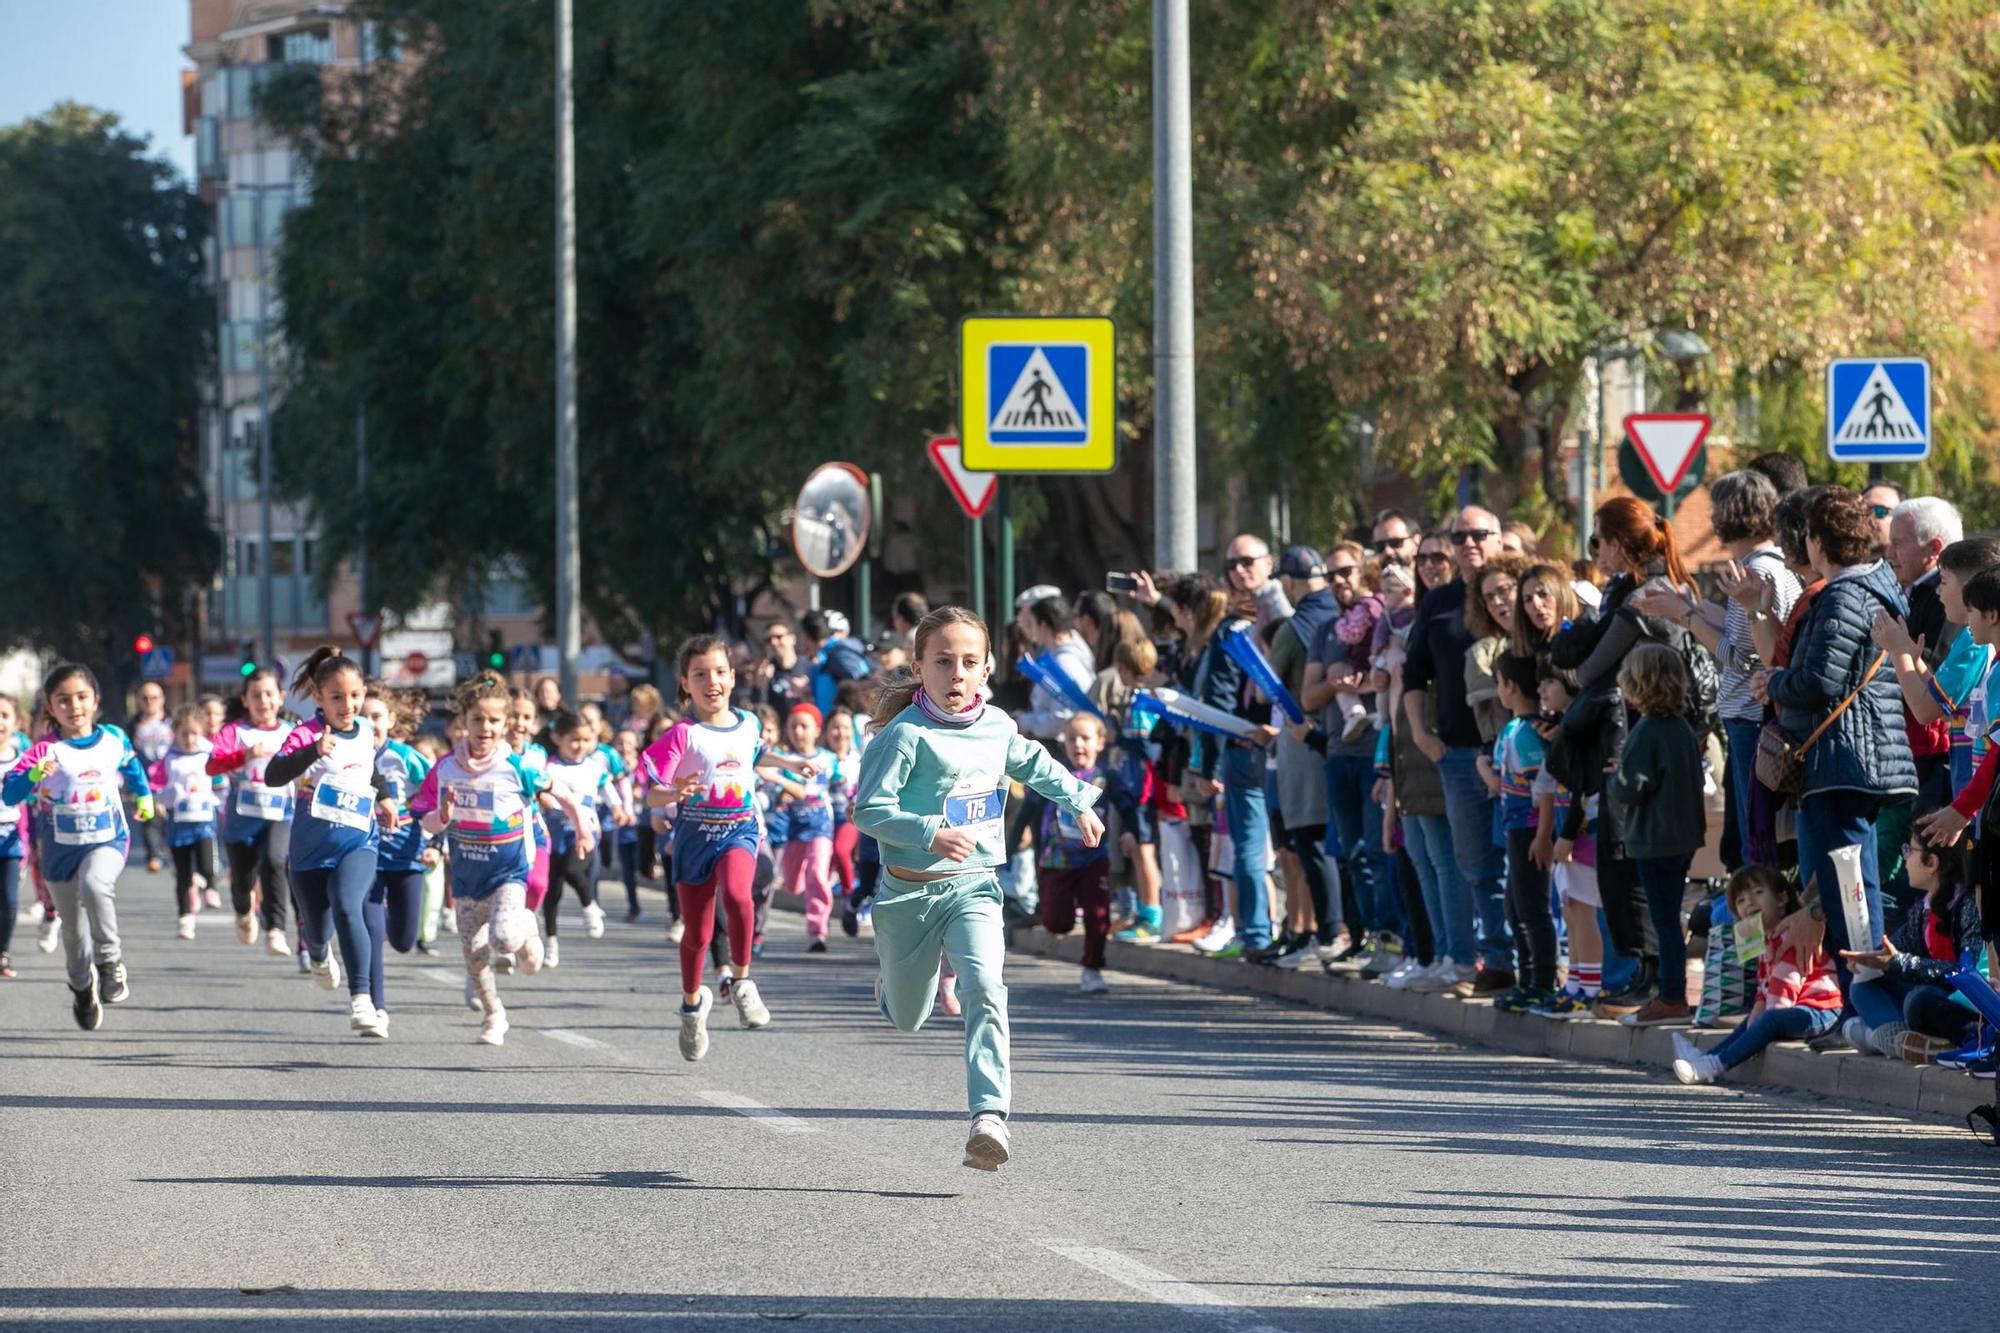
1878, 409
1036, 393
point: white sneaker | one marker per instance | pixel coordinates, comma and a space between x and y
1436, 979
363, 1018
986, 1149
1093, 982
185, 927
382, 1016
275, 944
210, 898
493, 1031
36, 912
1218, 937
694, 1026
550, 956
750, 1010
327, 973
593, 921
674, 933
447, 921
530, 956
471, 996
246, 929
50, 937
1701, 1070
1403, 973
1298, 957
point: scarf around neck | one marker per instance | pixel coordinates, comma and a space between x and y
932, 711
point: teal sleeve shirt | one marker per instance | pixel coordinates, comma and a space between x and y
918, 778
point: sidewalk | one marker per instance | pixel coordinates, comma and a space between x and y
1843, 1075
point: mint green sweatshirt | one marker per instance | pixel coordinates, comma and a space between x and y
918, 777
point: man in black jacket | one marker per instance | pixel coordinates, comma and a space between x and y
1439, 642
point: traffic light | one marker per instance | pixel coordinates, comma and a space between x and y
249, 652
496, 651
142, 644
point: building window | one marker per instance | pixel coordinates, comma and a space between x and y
208, 148
241, 348
378, 42
310, 46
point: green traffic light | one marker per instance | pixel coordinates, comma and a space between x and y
247, 670
498, 661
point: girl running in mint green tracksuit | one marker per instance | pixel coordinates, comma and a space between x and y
933, 792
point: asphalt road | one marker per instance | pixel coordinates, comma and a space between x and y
224, 1154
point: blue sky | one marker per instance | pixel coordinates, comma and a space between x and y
118, 55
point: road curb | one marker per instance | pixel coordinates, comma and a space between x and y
1840, 1075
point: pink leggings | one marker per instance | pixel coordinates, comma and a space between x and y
808, 871
731, 878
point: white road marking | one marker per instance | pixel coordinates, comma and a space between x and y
443, 977
1164, 1288
775, 1121
569, 1038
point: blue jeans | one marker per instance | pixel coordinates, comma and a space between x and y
1242, 776
1354, 830
1428, 838
1742, 740
1922, 1008
1663, 879
1469, 808
1797, 1023
1840, 819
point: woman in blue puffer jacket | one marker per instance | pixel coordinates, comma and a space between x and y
1863, 762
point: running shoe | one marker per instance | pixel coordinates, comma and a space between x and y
327, 971
1919, 1048
276, 945
111, 983
593, 921
1658, 1013
1273, 951
1565, 1004
1699, 1071
427, 949
1983, 1067
1444, 978
448, 921
675, 931
246, 930
1093, 982
1970, 1053
6, 966
694, 1026
1493, 982
551, 956
850, 920
1403, 973
631, 916
184, 928
818, 944
152, 865
986, 1148
51, 935
1193, 933
1855, 1030
725, 988
756, 946
1388, 955
89, 1014
1301, 953
750, 1010
1220, 934
210, 898
361, 1016
1229, 952
471, 996
493, 1029
1521, 999
1140, 933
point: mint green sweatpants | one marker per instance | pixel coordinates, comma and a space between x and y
960, 918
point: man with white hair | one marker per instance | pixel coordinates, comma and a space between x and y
1248, 565
1919, 530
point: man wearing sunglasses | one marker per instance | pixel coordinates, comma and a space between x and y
1247, 565
1443, 726
1882, 497
1395, 537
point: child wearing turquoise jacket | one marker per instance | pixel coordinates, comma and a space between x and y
933, 793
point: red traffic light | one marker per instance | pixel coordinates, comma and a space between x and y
143, 644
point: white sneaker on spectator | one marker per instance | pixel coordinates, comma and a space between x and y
1436, 979
1217, 938
1855, 1030
1306, 951
1404, 973
1703, 1069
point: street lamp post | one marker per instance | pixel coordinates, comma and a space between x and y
1173, 294
569, 622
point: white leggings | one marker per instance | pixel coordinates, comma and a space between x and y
502, 921
89, 907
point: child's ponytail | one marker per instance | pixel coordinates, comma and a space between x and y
324, 664
898, 689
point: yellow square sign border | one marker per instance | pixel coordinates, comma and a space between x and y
1097, 454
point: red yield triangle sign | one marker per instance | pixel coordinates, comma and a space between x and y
365, 628
972, 490
1667, 443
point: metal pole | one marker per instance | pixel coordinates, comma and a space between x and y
864, 601
364, 576
569, 561
1006, 561
978, 531
266, 609
1173, 299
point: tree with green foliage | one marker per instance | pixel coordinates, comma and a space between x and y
103, 528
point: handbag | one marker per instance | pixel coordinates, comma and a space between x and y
1781, 761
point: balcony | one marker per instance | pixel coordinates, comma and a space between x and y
293, 604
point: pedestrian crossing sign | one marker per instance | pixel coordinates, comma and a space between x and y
1878, 409
1038, 394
